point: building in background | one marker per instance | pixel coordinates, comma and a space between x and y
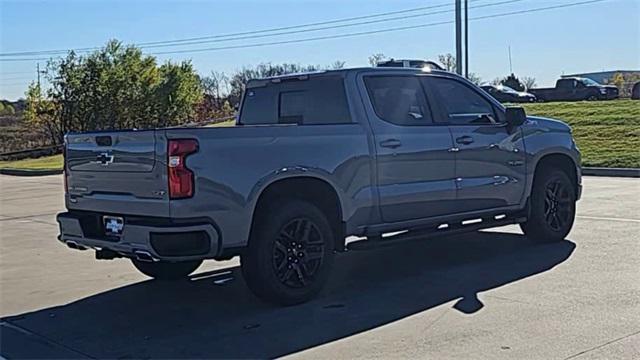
603, 77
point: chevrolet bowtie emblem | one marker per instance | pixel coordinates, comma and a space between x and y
104, 159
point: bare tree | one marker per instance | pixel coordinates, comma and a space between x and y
529, 82
374, 59
239, 79
338, 64
216, 87
448, 61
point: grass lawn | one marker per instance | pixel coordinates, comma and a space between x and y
43, 163
223, 124
607, 132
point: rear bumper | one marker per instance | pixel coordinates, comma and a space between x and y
162, 240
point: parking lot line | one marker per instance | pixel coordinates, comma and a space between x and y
607, 218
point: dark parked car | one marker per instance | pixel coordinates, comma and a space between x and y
576, 89
506, 94
635, 92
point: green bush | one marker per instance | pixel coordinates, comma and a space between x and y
116, 87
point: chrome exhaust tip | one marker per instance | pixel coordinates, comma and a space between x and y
145, 256
74, 245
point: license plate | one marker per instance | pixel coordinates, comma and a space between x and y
113, 225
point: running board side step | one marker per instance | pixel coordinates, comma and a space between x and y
443, 229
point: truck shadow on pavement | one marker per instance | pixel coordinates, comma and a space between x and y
213, 315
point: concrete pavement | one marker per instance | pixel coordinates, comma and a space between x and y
487, 295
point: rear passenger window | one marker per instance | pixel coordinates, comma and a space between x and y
318, 100
462, 104
259, 106
399, 100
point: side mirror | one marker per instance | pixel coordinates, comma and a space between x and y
515, 116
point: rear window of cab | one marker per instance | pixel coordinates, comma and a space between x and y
317, 100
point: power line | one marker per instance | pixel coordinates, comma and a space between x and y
518, 12
14, 84
151, 43
225, 38
354, 34
15, 72
17, 78
327, 27
323, 28
309, 24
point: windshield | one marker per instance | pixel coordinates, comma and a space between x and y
506, 89
589, 82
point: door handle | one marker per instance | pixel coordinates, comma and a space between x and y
391, 143
500, 180
466, 140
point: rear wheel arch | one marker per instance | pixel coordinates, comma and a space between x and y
314, 190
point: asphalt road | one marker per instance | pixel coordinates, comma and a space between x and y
489, 294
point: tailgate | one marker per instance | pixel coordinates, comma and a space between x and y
120, 172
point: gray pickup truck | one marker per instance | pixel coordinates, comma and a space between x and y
315, 158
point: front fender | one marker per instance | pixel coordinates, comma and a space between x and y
544, 137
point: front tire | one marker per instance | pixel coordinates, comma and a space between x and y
164, 270
290, 253
552, 207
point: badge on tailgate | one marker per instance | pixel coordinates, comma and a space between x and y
113, 225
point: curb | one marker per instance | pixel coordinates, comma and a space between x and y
22, 172
615, 172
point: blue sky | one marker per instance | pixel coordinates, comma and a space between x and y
592, 37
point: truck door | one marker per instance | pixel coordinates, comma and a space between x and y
415, 168
490, 157
567, 90
581, 91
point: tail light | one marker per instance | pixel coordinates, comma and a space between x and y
180, 177
65, 171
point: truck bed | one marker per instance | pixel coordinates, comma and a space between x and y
129, 177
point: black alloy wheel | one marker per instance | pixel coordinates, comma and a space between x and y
298, 252
557, 205
552, 206
290, 252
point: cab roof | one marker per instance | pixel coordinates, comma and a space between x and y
342, 72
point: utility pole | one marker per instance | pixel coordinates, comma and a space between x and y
466, 39
38, 72
459, 37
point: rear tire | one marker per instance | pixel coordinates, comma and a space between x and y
552, 206
290, 253
164, 270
